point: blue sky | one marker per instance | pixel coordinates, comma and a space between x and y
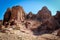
30, 5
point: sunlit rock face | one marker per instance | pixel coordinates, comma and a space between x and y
15, 13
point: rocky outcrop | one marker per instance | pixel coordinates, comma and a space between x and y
17, 13
44, 13
57, 18
57, 15
30, 16
20, 26
7, 16
37, 24
49, 23
14, 14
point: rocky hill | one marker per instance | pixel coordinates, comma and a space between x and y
18, 25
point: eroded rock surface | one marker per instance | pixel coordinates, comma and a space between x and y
14, 15
40, 26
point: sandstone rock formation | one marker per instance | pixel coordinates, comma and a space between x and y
30, 15
17, 25
41, 23
14, 14
17, 13
49, 23
57, 18
7, 16
44, 13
